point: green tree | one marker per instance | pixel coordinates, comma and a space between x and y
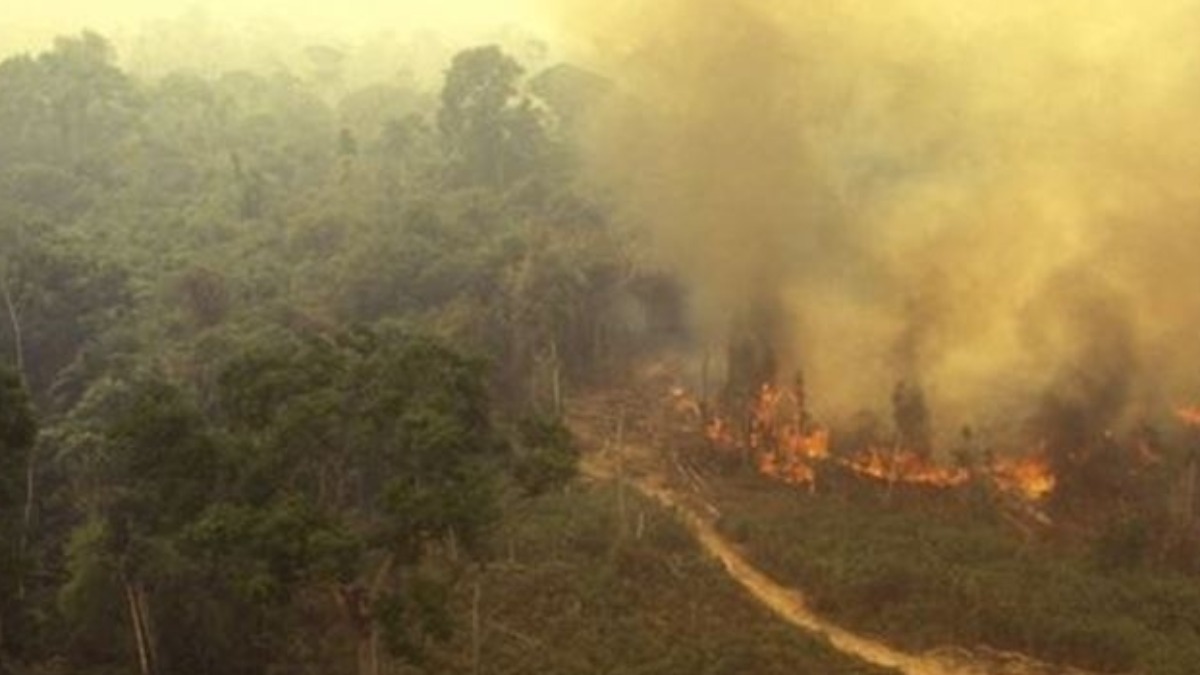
72, 107
386, 439
147, 466
54, 301
493, 134
18, 430
546, 457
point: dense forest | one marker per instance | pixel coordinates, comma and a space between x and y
268, 347
400, 359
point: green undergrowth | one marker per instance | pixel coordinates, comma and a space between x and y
571, 591
928, 574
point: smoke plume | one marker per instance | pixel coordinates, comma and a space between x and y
998, 201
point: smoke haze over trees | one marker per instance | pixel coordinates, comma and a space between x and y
994, 202
294, 334
293, 306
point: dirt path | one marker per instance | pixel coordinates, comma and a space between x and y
646, 470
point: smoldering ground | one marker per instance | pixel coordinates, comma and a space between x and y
997, 201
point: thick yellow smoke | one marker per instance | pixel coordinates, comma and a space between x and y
998, 200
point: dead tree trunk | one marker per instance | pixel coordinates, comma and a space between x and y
620, 449
357, 604
556, 378
476, 637
135, 598
14, 321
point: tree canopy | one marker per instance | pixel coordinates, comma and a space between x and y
293, 345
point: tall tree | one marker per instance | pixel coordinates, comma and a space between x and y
493, 134
54, 300
18, 430
357, 454
147, 467
71, 107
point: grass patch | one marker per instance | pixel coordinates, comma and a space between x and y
928, 573
582, 594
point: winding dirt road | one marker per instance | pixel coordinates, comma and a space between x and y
648, 472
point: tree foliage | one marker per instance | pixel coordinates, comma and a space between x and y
243, 303
492, 132
18, 430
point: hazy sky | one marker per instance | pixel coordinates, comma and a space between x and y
35, 22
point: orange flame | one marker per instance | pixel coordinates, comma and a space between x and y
787, 470
1189, 415
1030, 477
792, 460
905, 467
789, 448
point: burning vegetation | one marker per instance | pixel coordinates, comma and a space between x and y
1073, 459
776, 434
900, 215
